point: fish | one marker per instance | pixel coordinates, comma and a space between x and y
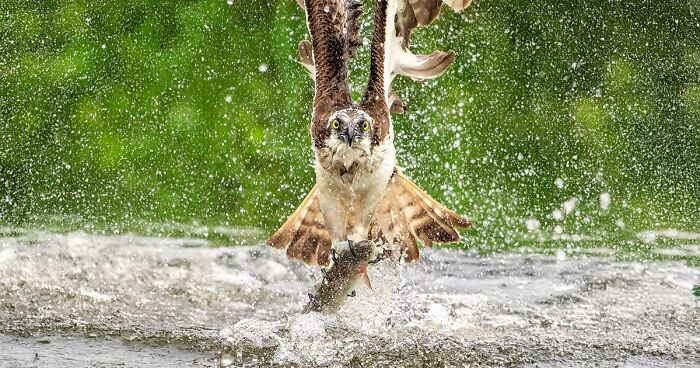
339, 281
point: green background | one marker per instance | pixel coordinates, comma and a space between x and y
137, 115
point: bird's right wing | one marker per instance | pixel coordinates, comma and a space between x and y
332, 25
305, 234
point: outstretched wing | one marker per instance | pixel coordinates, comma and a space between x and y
402, 18
329, 22
353, 10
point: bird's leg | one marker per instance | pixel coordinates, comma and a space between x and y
376, 260
333, 256
380, 256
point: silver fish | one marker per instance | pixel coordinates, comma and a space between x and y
339, 281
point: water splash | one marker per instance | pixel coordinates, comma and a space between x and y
241, 306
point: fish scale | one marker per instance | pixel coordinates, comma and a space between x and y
340, 279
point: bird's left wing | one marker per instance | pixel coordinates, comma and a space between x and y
407, 215
395, 20
375, 100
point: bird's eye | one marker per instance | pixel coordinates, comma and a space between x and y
366, 126
335, 124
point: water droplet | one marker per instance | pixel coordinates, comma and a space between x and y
561, 255
559, 183
557, 214
604, 201
532, 224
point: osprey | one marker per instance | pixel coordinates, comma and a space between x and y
360, 192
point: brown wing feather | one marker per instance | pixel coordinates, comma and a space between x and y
351, 35
375, 100
306, 57
352, 26
414, 13
328, 24
405, 216
304, 234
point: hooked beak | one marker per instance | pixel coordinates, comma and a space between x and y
351, 135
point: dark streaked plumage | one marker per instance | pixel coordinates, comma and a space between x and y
360, 192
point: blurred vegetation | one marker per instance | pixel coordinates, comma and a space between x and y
114, 114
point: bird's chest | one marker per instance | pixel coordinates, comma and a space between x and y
350, 188
353, 171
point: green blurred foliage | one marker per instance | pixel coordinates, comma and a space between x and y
181, 111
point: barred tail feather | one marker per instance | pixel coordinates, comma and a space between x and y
408, 215
305, 234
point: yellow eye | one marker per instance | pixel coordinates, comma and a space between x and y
335, 124
366, 126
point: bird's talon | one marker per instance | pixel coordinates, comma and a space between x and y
350, 242
325, 275
313, 301
353, 294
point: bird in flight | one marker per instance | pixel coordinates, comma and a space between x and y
360, 192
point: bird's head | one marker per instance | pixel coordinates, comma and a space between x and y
352, 126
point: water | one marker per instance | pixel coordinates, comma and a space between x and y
80, 300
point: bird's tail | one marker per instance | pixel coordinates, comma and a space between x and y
407, 215
305, 234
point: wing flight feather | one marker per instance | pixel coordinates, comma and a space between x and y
409, 15
329, 22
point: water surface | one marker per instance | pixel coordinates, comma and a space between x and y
79, 300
